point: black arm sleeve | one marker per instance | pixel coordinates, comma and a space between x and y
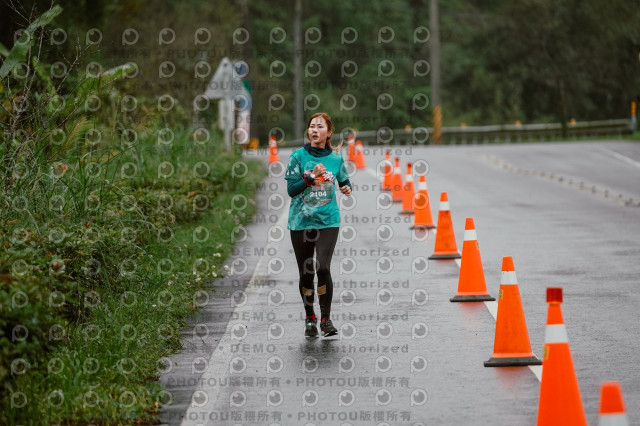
295, 188
346, 182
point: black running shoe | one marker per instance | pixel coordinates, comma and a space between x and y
327, 328
310, 329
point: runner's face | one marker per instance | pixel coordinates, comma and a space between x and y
318, 131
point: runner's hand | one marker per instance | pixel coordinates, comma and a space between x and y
319, 169
346, 190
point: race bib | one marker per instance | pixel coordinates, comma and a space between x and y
319, 194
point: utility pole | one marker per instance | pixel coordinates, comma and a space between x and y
435, 71
297, 71
247, 56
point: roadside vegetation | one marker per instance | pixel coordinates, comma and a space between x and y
114, 216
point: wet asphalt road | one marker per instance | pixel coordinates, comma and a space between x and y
567, 213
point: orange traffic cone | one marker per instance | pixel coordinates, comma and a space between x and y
445, 247
560, 402
396, 183
471, 284
511, 344
408, 192
351, 144
612, 411
388, 172
422, 207
273, 150
359, 156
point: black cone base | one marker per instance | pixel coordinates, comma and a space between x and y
512, 361
445, 256
423, 227
473, 298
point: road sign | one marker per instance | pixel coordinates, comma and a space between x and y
225, 83
227, 86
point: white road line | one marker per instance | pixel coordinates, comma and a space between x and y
492, 306
374, 174
537, 370
622, 158
220, 358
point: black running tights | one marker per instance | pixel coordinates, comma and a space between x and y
322, 241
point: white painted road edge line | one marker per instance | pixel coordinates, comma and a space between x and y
622, 158
221, 357
492, 306
374, 174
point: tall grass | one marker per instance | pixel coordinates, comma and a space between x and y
112, 222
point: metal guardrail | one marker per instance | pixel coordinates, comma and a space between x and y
506, 133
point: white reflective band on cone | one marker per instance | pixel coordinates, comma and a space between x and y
508, 277
556, 333
470, 235
618, 419
444, 205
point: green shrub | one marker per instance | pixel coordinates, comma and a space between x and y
98, 264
